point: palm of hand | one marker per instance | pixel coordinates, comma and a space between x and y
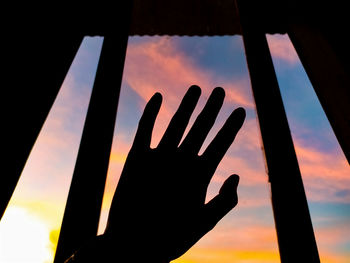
160, 199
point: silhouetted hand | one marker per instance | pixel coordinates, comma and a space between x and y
159, 205
158, 210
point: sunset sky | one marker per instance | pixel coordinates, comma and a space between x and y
30, 227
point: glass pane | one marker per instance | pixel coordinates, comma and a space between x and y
323, 166
170, 65
30, 226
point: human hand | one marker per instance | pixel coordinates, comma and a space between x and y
158, 210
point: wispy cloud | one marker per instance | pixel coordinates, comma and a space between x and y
282, 48
325, 174
333, 235
157, 65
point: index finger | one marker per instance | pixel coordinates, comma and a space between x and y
144, 131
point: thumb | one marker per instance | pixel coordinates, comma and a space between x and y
221, 204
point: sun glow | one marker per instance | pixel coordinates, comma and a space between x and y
23, 238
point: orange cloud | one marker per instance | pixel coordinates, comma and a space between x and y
245, 240
235, 242
213, 255
118, 156
330, 238
240, 235
282, 48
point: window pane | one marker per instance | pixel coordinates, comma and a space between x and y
170, 65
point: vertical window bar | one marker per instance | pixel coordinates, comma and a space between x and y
295, 234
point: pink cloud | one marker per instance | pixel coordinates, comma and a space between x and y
325, 174
282, 48
157, 65
332, 235
52, 158
245, 155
